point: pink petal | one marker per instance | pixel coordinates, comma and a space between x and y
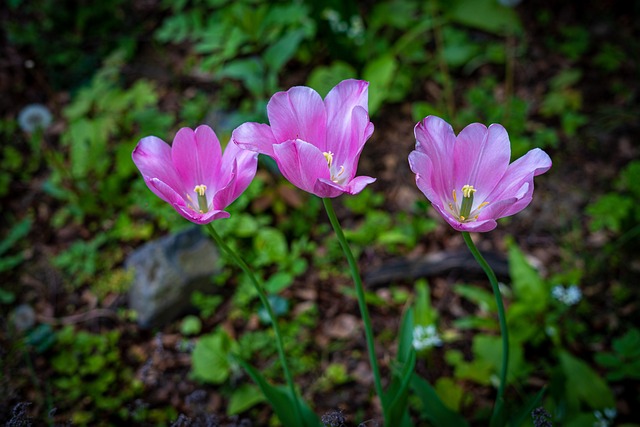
255, 137
242, 165
165, 192
298, 113
421, 165
342, 131
521, 173
481, 158
435, 138
301, 163
152, 156
347, 143
481, 225
328, 188
196, 157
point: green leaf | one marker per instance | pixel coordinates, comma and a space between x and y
450, 392
486, 15
16, 233
584, 384
424, 313
405, 337
379, 72
278, 281
280, 52
243, 398
528, 286
282, 402
271, 246
484, 299
210, 359
432, 407
190, 325
249, 71
395, 398
323, 78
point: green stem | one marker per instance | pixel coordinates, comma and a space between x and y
497, 409
267, 305
364, 312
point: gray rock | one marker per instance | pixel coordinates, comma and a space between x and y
167, 271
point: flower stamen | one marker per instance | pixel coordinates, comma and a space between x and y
463, 211
202, 197
329, 156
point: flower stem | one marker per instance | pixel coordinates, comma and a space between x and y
364, 312
497, 409
267, 305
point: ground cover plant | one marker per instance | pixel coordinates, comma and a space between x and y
281, 335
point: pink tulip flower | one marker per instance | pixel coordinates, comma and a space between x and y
193, 175
468, 178
315, 143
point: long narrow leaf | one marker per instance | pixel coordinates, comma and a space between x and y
397, 402
282, 402
433, 408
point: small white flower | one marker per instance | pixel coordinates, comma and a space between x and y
568, 296
425, 337
34, 117
605, 418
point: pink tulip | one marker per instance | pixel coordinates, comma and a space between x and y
468, 178
315, 143
193, 175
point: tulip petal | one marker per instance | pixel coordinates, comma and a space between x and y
435, 138
240, 163
346, 151
421, 165
521, 172
298, 113
481, 158
346, 129
152, 156
196, 157
328, 188
301, 163
255, 137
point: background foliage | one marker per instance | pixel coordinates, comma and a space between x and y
559, 77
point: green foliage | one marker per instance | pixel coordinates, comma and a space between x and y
211, 359
383, 229
240, 40
90, 377
618, 211
82, 259
624, 362
15, 166
93, 176
565, 101
16, 233
83, 35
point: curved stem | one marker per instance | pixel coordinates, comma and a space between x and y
364, 312
267, 305
497, 409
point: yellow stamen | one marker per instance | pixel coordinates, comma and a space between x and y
468, 190
202, 198
329, 156
463, 211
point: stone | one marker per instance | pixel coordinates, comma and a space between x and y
167, 271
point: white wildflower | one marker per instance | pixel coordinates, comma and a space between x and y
425, 337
